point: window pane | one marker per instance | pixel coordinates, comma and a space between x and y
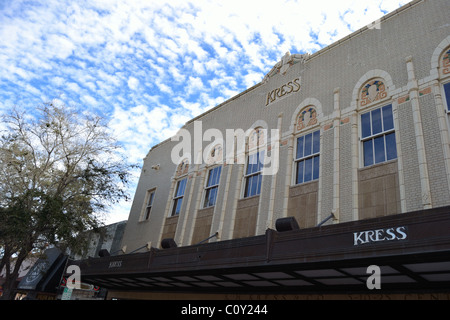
255, 162
214, 176
218, 172
212, 196
379, 149
258, 189
251, 163
447, 94
316, 141
183, 185
150, 201
376, 121
147, 213
248, 184
308, 169
177, 206
180, 188
206, 202
391, 147
365, 124
308, 144
316, 167
300, 147
300, 168
210, 178
368, 152
254, 184
260, 163
388, 120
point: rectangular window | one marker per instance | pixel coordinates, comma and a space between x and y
148, 207
178, 197
212, 186
253, 175
308, 157
378, 136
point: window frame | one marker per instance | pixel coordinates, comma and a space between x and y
208, 188
303, 158
254, 174
178, 197
445, 99
148, 204
373, 136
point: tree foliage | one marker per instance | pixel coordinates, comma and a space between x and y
58, 170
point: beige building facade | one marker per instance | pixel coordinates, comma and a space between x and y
357, 130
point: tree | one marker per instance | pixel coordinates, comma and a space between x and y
59, 170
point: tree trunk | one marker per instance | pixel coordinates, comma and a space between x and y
11, 277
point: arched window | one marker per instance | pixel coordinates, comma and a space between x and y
180, 174
255, 162
377, 124
307, 152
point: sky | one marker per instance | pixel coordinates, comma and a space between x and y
148, 66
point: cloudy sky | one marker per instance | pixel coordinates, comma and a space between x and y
150, 65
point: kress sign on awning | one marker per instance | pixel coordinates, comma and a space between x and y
380, 235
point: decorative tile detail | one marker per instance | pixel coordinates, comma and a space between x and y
373, 91
425, 91
215, 155
445, 63
345, 120
306, 118
182, 168
257, 138
328, 126
403, 99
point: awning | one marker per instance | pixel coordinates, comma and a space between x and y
45, 274
412, 251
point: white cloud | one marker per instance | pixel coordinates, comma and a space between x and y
133, 83
89, 101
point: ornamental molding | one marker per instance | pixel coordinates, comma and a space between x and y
287, 61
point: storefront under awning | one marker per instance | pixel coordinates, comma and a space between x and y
412, 251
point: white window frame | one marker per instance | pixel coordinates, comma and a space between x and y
247, 176
208, 188
178, 197
304, 158
383, 133
148, 204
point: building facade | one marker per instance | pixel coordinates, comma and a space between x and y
344, 152
363, 132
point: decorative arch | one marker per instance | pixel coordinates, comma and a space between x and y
182, 168
372, 91
439, 66
307, 114
445, 63
306, 118
215, 155
374, 86
257, 137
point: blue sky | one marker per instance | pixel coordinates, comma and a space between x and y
148, 66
